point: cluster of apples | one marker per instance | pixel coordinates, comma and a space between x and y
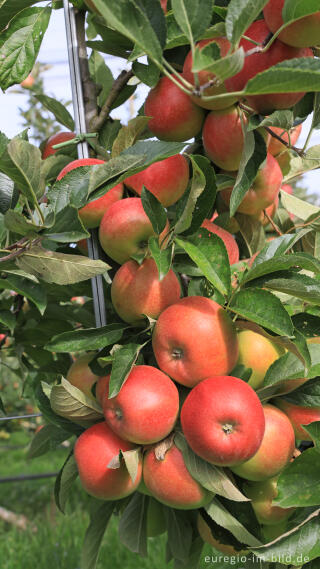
195, 345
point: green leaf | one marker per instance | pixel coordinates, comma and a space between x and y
101, 76
42, 393
133, 524
8, 195
99, 520
148, 74
296, 285
27, 160
290, 367
154, 210
60, 112
162, 257
187, 203
123, 362
26, 287
264, 308
48, 438
241, 13
192, 16
307, 395
70, 402
281, 119
299, 165
290, 76
7, 319
67, 227
314, 431
295, 9
298, 260
90, 339
276, 248
253, 156
302, 209
223, 518
132, 459
20, 44
59, 268
124, 17
210, 255
211, 477
18, 223
9, 9
129, 134
205, 201
179, 534
224, 67
252, 232
298, 545
64, 481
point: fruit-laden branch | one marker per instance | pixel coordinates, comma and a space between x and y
121, 81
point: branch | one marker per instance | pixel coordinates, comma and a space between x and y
299, 151
88, 86
98, 121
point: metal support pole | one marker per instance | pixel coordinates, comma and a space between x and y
83, 150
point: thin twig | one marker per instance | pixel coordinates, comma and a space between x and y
98, 121
275, 227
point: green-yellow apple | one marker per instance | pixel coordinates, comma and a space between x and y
305, 32
146, 407
92, 213
194, 339
93, 452
125, 229
260, 61
275, 451
258, 353
170, 482
174, 116
81, 376
167, 179
264, 190
205, 77
261, 495
137, 291
217, 419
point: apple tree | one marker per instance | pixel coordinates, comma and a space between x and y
161, 296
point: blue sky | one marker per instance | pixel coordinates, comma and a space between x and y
57, 84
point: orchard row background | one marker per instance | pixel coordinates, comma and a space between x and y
57, 84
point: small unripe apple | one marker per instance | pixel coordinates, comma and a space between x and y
261, 495
170, 482
92, 213
28, 82
194, 339
258, 353
55, 139
275, 451
227, 238
167, 180
205, 77
137, 291
302, 33
146, 407
263, 191
217, 418
93, 452
174, 115
125, 229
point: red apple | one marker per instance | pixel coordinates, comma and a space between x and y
217, 419
83, 246
223, 137
193, 339
93, 451
227, 238
125, 229
302, 33
174, 115
258, 62
55, 139
102, 389
205, 76
275, 146
275, 451
264, 190
92, 213
299, 416
136, 290
170, 482
258, 353
146, 408
167, 180
28, 82
261, 495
